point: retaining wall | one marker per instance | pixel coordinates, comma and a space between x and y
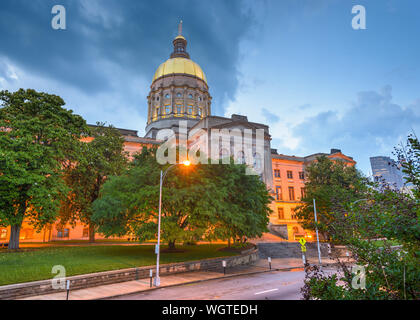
22, 290
290, 250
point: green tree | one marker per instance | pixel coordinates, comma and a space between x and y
330, 183
244, 207
37, 136
101, 157
199, 202
409, 159
392, 268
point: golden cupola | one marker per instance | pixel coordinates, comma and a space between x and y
179, 90
180, 66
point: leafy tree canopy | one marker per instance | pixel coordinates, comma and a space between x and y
37, 136
330, 183
100, 157
392, 268
199, 202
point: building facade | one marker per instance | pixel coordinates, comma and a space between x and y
179, 99
289, 188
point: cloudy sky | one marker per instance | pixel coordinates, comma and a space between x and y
297, 65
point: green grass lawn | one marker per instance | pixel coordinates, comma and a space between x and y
36, 264
78, 241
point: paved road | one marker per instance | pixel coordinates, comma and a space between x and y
273, 285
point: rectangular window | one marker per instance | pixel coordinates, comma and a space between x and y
302, 175
190, 109
277, 173
291, 193
293, 213
3, 234
281, 213
199, 112
278, 194
289, 175
63, 233
178, 109
167, 109
302, 193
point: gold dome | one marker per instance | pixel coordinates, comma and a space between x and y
180, 66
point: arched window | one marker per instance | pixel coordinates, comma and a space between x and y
257, 161
223, 153
3, 234
241, 157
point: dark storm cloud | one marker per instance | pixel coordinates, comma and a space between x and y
372, 126
135, 35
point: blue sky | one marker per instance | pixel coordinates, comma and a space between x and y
295, 65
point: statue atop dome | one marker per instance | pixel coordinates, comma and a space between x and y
180, 45
180, 28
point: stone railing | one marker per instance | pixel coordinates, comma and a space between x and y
21, 290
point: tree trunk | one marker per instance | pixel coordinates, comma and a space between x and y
14, 237
91, 233
49, 232
171, 245
229, 242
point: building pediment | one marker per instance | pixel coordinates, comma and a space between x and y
240, 124
220, 123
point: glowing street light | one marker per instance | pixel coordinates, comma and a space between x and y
162, 177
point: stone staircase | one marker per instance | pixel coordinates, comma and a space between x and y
278, 230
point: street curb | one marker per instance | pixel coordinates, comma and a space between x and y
184, 283
204, 280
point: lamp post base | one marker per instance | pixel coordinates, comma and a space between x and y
157, 281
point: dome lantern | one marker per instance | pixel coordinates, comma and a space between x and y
180, 45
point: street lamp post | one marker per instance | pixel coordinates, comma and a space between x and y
317, 236
162, 177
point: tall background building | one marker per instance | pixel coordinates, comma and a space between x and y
387, 170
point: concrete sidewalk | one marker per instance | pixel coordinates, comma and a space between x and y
123, 288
